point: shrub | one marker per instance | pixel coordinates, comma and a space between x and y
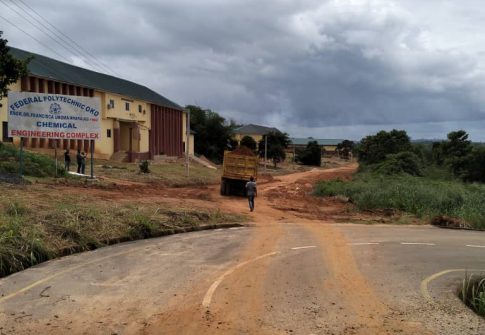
472, 293
403, 162
144, 166
311, 155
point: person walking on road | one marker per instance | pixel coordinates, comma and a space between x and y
67, 160
251, 192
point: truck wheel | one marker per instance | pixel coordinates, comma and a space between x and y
223, 187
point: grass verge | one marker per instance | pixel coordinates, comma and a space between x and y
31, 234
424, 197
472, 292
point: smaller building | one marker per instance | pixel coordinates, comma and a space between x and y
329, 146
255, 131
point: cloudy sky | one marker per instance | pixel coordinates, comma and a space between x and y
320, 68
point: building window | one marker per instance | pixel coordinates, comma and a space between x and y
127, 106
111, 103
108, 133
139, 108
5, 137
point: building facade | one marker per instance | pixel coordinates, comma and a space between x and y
136, 122
255, 131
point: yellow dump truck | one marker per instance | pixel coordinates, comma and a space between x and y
237, 168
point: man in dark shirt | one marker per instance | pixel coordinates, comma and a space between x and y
67, 160
251, 192
79, 160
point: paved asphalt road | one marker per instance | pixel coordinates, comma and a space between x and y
180, 284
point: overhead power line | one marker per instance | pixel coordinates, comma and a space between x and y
59, 32
34, 38
69, 45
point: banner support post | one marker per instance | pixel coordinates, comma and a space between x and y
21, 158
91, 149
55, 154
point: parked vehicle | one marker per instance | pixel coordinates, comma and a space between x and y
238, 166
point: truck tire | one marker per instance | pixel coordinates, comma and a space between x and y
223, 187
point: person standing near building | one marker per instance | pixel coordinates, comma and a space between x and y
79, 160
67, 160
251, 192
83, 162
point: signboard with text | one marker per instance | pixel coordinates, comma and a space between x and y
54, 116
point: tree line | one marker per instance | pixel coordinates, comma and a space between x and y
393, 153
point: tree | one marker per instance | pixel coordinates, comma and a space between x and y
212, 133
456, 150
277, 143
311, 155
249, 142
11, 69
345, 149
374, 149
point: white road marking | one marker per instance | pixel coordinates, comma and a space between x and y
363, 243
417, 243
305, 247
236, 228
475, 246
212, 289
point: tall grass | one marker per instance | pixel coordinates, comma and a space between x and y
30, 235
421, 196
35, 165
472, 293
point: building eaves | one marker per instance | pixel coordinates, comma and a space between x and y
52, 69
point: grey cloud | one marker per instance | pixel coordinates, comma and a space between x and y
296, 64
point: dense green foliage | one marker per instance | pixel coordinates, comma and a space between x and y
277, 143
421, 196
460, 156
472, 293
403, 162
35, 165
11, 69
311, 155
374, 149
212, 133
345, 149
249, 142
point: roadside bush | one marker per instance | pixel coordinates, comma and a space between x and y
403, 162
144, 166
472, 293
423, 197
374, 149
311, 155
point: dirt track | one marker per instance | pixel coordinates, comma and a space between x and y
241, 307
292, 272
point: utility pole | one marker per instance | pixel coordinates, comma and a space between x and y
187, 143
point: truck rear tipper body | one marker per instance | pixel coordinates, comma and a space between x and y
236, 171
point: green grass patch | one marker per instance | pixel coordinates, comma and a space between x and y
172, 174
472, 292
33, 232
34, 164
421, 196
